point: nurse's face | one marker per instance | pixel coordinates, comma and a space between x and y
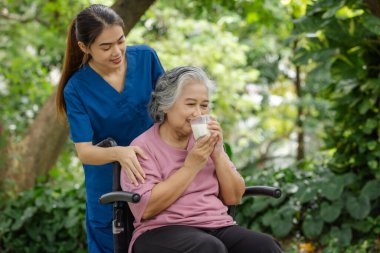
108, 49
191, 103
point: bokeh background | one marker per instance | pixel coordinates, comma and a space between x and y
298, 96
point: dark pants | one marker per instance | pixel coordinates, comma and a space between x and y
232, 239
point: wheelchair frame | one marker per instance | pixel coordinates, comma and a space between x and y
122, 217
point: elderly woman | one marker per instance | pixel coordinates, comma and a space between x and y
189, 182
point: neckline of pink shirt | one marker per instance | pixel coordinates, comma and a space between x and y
176, 151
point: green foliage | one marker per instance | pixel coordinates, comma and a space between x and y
32, 43
345, 50
308, 209
336, 203
44, 219
180, 40
49, 217
248, 48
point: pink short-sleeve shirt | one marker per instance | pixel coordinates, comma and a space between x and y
198, 206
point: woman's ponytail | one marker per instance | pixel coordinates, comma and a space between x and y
72, 61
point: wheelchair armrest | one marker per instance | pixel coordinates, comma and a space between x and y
263, 190
119, 196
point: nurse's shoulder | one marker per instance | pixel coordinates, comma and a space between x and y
144, 52
140, 47
76, 82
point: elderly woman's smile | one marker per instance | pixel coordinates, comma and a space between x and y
192, 102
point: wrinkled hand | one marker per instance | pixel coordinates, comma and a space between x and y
127, 157
199, 154
216, 130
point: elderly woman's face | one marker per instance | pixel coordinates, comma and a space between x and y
192, 102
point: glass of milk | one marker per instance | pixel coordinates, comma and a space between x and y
199, 126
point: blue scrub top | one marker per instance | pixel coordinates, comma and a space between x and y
95, 111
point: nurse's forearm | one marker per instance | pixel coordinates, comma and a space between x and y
93, 155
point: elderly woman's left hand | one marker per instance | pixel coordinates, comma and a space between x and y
216, 132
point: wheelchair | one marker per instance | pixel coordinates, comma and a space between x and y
122, 221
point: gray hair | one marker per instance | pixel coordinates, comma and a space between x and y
170, 85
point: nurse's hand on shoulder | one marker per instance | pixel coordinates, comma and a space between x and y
127, 157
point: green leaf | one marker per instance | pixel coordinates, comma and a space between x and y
228, 150
281, 228
364, 106
371, 190
269, 218
332, 10
346, 179
343, 235
372, 23
372, 145
359, 207
71, 221
370, 125
370, 86
259, 204
373, 164
333, 189
312, 226
361, 225
287, 211
29, 212
306, 193
330, 213
5, 225
55, 173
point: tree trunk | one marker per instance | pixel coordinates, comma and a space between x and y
131, 11
374, 7
38, 151
300, 118
300, 114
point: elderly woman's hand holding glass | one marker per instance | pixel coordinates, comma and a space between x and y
216, 130
199, 154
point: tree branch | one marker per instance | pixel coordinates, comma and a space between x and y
131, 11
23, 19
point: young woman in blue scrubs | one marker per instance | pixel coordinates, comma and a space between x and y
104, 91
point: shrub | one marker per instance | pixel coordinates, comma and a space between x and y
328, 209
44, 219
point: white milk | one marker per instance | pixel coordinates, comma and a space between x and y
199, 130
